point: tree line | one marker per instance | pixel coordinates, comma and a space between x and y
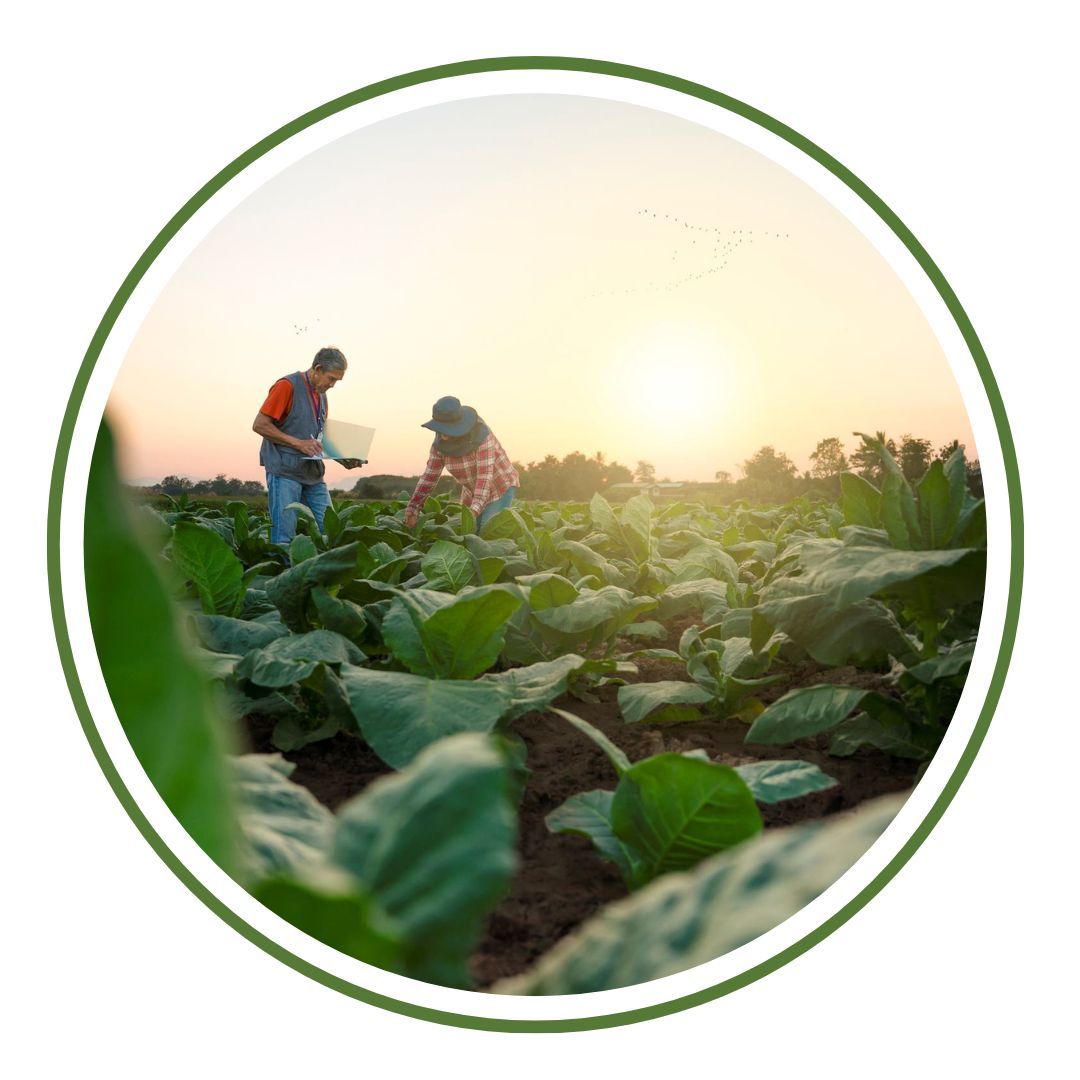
769, 475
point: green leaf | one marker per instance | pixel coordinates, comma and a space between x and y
302, 548
489, 569
681, 921
210, 565
658, 702
342, 616
548, 590
885, 731
898, 512
284, 825
289, 592
774, 781
466, 521
945, 665
607, 609
434, 845
400, 714
675, 811
447, 566
290, 659
450, 637
534, 687
859, 633
860, 501
162, 700
331, 907
936, 508
589, 815
706, 561
806, 711
223, 634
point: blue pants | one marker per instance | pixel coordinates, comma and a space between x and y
493, 507
282, 491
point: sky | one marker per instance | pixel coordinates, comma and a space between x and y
589, 275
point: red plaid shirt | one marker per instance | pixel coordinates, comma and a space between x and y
484, 475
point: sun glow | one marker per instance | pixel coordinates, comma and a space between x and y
676, 378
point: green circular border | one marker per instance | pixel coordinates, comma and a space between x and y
622, 71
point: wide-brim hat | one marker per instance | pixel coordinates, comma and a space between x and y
450, 417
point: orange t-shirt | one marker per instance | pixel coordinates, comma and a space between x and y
279, 401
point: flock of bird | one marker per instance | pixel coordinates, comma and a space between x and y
298, 329
716, 245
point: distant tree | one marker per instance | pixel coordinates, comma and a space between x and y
722, 476
828, 459
768, 476
575, 477
768, 465
949, 449
175, 485
645, 473
914, 457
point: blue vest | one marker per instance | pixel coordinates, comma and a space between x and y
300, 423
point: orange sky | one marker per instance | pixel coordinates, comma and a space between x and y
590, 275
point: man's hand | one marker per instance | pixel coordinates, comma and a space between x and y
351, 462
310, 447
411, 518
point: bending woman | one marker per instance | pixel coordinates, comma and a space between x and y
466, 448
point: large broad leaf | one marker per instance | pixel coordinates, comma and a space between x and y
675, 811
284, 825
401, 714
210, 565
938, 512
808, 711
162, 700
774, 781
587, 561
548, 590
865, 632
637, 527
849, 573
683, 920
333, 908
535, 687
447, 566
589, 815
945, 665
888, 731
706, 560
860, 501
222, 634
434, 844
289, 591
662, 702
707, 596
291, 659
337, 614
606, 610
450, 637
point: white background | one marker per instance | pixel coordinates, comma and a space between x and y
961, 118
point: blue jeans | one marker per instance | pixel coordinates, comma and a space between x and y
493, 507
282, 491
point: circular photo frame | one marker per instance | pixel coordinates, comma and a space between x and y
758, 955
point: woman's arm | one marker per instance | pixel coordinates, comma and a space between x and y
432, 472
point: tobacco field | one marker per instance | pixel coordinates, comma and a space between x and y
592, 746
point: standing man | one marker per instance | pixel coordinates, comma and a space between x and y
291, 422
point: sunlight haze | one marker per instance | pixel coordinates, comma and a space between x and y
589, 275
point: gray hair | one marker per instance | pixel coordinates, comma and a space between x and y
330, 359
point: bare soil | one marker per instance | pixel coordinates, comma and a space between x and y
561, 881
